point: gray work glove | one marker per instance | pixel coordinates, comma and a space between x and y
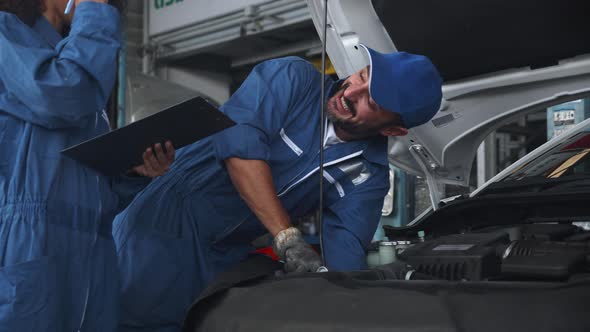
295, 252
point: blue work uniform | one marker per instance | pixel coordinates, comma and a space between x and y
190, 224
57, 257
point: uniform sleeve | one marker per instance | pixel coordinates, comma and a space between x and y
351, 222
61, 86
261, 106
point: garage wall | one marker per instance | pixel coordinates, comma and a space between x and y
167, 15
214, 85
205, 45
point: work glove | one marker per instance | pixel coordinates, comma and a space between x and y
297, 254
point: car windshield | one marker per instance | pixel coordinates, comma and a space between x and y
567, 163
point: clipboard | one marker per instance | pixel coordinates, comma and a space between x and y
116, 152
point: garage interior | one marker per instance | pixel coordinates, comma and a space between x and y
210, 55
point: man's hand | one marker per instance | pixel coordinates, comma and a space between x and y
297, 254
301, 258
156, 162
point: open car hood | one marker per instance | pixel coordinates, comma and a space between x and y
498, 59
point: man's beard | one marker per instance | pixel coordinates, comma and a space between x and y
331, 105
352, 129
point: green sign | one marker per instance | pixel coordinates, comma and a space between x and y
159, 4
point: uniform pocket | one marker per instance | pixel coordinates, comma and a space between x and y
26, 292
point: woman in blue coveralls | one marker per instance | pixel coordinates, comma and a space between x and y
227, 190
58, 268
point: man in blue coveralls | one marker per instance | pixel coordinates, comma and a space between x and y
225, 191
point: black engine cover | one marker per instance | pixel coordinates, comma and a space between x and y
458, 257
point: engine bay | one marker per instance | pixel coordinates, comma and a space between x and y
525, 252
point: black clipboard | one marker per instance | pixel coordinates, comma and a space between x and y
118, 151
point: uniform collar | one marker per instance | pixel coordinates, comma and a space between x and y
47, 31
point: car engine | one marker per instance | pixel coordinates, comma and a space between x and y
532, 252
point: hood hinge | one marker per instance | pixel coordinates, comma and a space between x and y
429, 167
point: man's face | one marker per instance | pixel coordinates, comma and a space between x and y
355, 114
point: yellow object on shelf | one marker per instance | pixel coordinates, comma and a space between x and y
317, 62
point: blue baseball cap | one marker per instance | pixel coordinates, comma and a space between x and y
405, 83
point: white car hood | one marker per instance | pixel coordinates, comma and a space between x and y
479, 96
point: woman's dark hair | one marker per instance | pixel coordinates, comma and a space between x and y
27, 11
121, 5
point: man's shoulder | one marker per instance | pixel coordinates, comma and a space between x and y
289, 62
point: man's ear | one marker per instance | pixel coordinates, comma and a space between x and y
394, 131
